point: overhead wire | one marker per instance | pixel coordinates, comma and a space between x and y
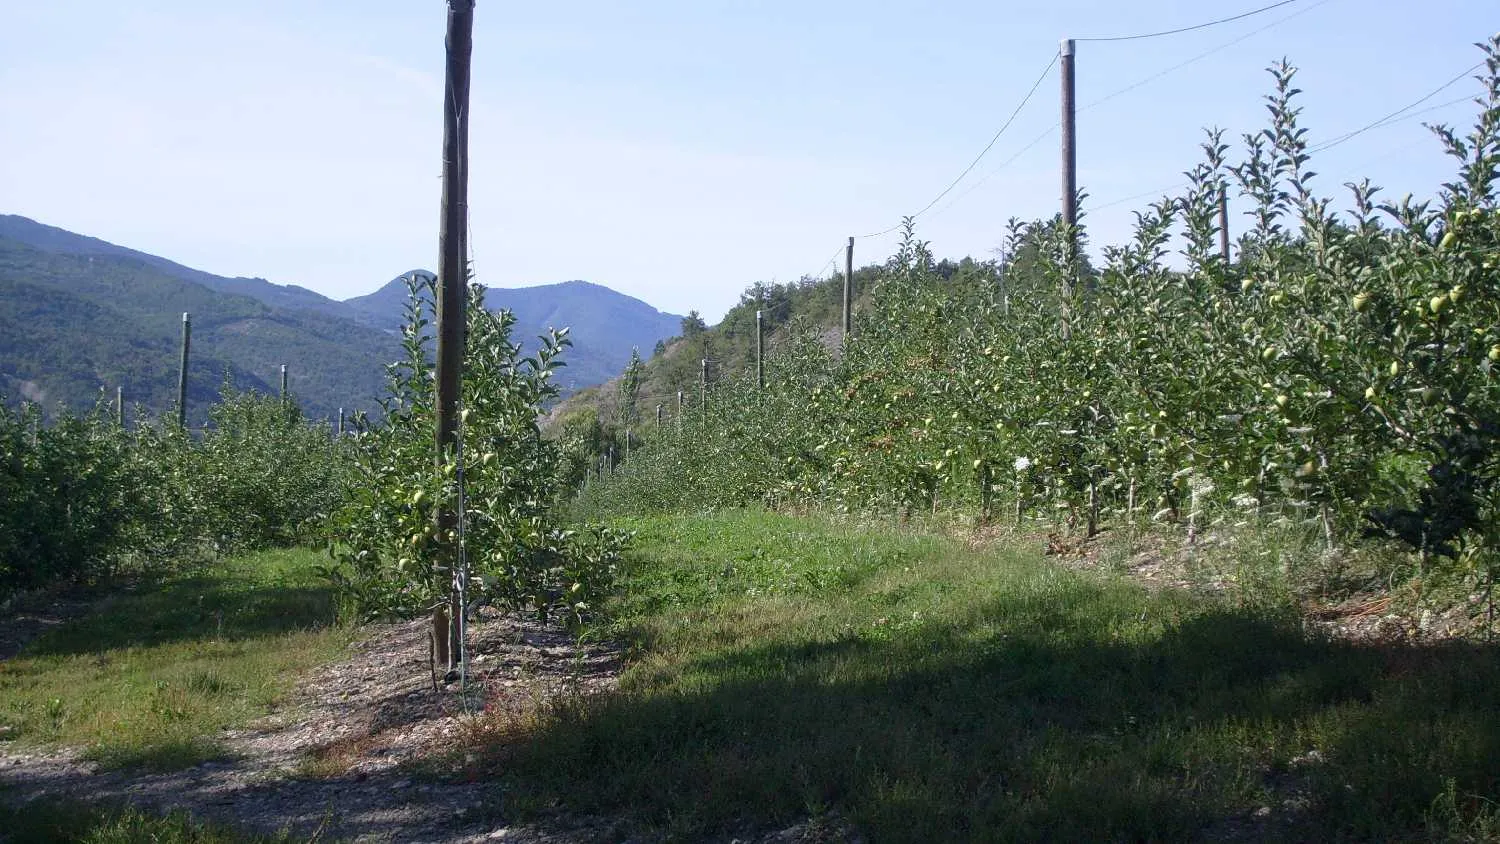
1180, 30
1398, 150
1142, 195
1125, 90
1179, 66
825, 265
1466, 98
1001, 166
982, 153
1396, 116
1393, 116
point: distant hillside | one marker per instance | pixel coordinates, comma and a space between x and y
78, 324
728, 346
605, 324
60, 241
79, 315
814, 305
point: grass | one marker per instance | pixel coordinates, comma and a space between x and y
787, 669
46, 820
153, 674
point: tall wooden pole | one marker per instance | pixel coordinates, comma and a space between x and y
703, 385
679, 410
1224, 225
848, 290
1069, 183
120, 406
341, 421
283, 384
452, 240
760, 351
187, 339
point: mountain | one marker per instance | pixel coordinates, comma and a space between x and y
60, 241
605, 324
78, 324
79, 315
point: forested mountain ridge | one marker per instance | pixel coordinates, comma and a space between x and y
80, 316
605, 324
76, 325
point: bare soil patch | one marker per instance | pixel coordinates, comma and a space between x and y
340, 758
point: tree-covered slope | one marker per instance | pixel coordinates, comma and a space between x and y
83, 315
52, 239
605, 324
78, 324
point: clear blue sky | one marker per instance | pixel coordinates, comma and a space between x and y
676, 150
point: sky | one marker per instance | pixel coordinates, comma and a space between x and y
674, 150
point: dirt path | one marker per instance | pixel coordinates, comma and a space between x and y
335, 759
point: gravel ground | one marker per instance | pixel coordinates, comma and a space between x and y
334, 761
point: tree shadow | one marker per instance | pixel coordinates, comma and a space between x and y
190, 609
1228, 724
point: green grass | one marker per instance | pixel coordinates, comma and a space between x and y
73, 821
153, 674
787, 668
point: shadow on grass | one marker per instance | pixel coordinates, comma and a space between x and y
1225, 724
168, 754
192, 608
51, 819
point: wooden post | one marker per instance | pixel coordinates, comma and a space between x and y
703, 385
182, 371
1224, 225
1093, 526
658, 414
679, 410
341, 421
120, 406
1069, 185
986, 493
848, 291
760, 351
451, 291
283, 385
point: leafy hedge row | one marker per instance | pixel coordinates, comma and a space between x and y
1344, 369
393, 556
81, 497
